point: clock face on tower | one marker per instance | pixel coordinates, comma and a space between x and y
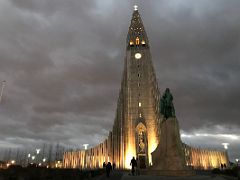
138, 55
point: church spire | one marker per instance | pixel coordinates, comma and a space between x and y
136, 32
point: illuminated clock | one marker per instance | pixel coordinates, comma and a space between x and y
138, 55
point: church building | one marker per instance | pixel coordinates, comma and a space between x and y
136, 128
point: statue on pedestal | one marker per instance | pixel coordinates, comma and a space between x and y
166, 104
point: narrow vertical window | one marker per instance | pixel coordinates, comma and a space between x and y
137, 40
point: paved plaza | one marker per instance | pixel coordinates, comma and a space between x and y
126, 176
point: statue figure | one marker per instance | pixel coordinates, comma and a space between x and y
166, 104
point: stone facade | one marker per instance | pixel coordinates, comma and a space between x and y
170, 150
136, 128
199, 158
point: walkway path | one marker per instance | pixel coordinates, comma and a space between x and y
115, 175
197, 177
123, 175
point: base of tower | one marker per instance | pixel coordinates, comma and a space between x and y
168, 172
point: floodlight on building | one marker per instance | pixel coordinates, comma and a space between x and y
237, 160
12, 162
225, 145
85, 146
33, 157
29, 155
44, 160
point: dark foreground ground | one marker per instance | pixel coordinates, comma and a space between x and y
32, 173
76, 174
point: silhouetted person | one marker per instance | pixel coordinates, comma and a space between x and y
221, 166
238, 170
114, 165
133, 164
104, 165
108, 168
224, 165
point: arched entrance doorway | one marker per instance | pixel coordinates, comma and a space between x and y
141, 145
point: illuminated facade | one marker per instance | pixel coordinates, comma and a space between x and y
204, 158
136, 128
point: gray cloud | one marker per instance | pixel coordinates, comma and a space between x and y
63, 63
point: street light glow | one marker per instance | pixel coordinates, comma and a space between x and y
85, 146
38, 151
225, 145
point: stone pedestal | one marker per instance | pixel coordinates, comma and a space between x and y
169, 158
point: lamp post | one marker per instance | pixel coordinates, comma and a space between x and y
28, 157
85, 146
33, 158
44, 161
38, 151
225, 145
2, 88
37, 155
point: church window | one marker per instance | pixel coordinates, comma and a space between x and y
131, 43
137, 40
139, 104
138, 75
140, 115
143, 42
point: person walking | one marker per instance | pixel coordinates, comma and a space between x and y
133, 164
114, 166
238, 169
108, 169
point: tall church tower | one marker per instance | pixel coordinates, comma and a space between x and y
138, 116
136, 128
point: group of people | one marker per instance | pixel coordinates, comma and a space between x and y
109, 167
223, 166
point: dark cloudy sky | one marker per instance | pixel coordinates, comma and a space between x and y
63, 62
